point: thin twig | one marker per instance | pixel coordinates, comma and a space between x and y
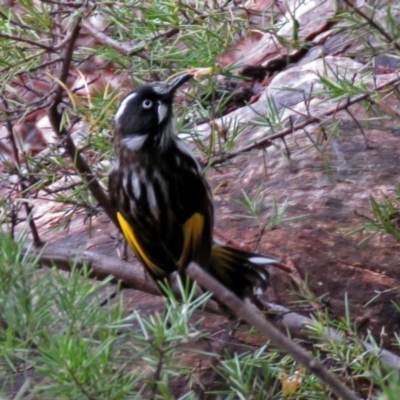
24, 189
373, 24
297, 325
114, 44
139, 48
43, 65
26, 40
268, 141
67, 58
355, 120
55, 118
248, 314
26, 59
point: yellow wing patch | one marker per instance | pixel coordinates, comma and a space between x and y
132, 241
192, 233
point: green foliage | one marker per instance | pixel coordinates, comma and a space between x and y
53, 322
385, 216
249, 375
254, 206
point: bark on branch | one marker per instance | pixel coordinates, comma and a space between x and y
55, 118
249, 314
132, 275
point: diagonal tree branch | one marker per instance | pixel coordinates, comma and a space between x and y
28, 207
114, 44
268, 140
132, 275
371, 22
248, 314
25, 40
55, 118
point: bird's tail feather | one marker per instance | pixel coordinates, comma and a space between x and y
244, 273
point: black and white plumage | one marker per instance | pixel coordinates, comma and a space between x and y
162, 200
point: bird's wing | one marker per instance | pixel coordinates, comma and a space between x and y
139, 250
193, 231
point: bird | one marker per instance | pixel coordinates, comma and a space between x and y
162, 200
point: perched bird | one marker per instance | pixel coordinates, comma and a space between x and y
163, 203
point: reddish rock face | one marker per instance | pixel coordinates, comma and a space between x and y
327, 182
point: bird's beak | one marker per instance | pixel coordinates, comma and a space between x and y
169, 94
178, 82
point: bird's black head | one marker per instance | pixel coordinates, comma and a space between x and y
148, 108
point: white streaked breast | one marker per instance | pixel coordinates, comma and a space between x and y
135, 142
152, 201
125, 183
160, 181
136, 186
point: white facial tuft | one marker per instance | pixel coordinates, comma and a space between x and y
123, 105
162, 112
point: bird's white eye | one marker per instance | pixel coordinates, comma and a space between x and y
147, 103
